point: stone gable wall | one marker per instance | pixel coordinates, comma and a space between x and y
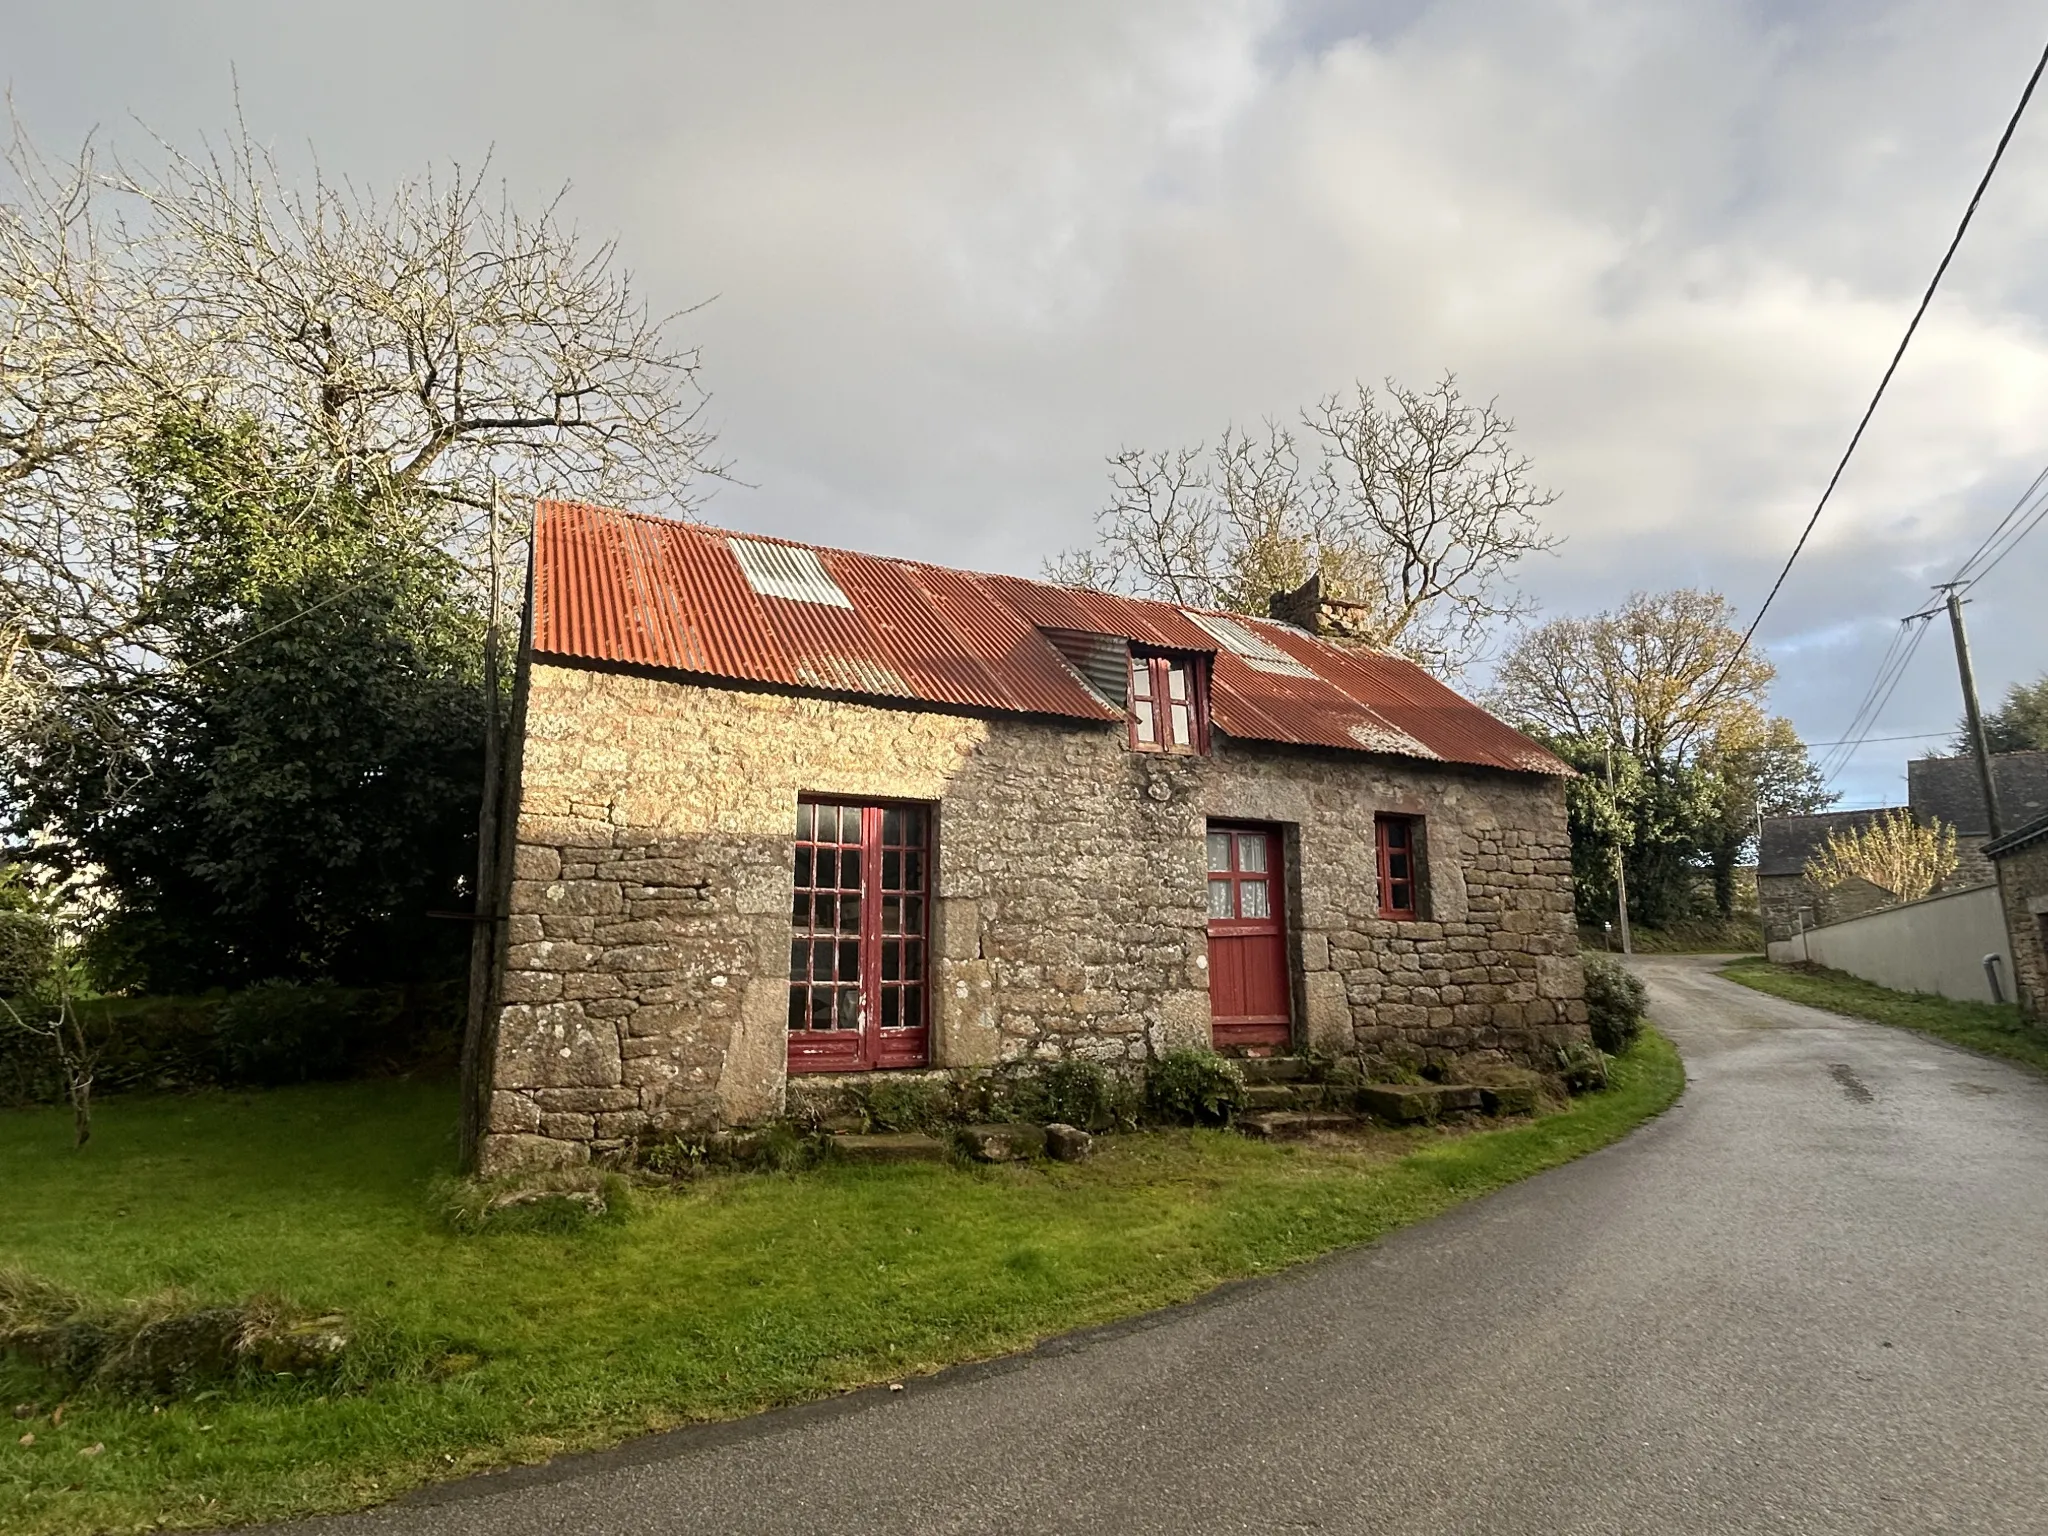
1780, 899
646, 981
1972, 868
2023, 887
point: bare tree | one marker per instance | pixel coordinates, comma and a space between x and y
409, 347
54, 1018
1892, 851
1663, 676
1416, 507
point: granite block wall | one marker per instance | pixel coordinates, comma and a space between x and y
646, 982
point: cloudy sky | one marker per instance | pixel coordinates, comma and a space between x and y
955, 254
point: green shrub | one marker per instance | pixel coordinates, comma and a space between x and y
554, 1200
1076, 1092
1615, 1003
1090, 1096
277, 1033
1583, 1067
1189, 1087
780, 1146
28, 952
282, 1032
893, 1104
163, 1346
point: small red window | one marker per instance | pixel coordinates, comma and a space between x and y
1168, 713
1396, 836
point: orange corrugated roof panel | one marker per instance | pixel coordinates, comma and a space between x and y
654, 592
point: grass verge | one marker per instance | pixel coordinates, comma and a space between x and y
727, 1296
1986, 1028
1688, 936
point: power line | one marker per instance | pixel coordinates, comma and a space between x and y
1912, 630
2019, 509
1857, 721
1867, 741
1893, 367
2011, 543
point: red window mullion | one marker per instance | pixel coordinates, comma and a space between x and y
1397, 897
870, 933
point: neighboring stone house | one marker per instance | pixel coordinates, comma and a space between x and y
1787, 900
785, 810
1949, 790
1938, 789
2021, 860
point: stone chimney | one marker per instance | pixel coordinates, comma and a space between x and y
1335, 619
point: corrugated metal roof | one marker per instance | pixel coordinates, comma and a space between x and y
648, 591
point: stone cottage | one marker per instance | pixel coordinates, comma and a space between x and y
787, 810
2021, 859
1946, 790
1786, 899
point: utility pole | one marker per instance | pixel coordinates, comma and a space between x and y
1620, 865
483, 949
1971, 712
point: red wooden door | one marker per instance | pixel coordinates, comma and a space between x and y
857, 943
1249, 996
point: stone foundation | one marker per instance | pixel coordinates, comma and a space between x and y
646, 982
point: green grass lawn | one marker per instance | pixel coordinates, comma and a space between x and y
729, 1295
1989, 1029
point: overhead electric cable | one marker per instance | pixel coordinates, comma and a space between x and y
1872, 740
2019, 510
2010, 544
1915, 628
1859, 723
1893, 367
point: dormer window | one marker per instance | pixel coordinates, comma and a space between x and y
1168, 712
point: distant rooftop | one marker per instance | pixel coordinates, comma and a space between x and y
1947, 789
1787, 842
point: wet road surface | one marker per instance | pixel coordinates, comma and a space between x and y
1813, 1297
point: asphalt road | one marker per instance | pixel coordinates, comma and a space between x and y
1812, 1297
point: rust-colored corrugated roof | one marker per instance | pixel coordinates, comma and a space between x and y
650, 591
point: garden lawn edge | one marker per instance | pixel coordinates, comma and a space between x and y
1994, 1031
1353, 1204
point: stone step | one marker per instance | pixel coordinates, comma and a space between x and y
1272, 1069
1004, 1143
1409, 1103
893, 1147
1509, 1099
1270, 1096
1290, 1125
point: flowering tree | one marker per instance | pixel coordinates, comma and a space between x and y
1891, 850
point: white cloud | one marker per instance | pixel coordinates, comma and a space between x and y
962, 252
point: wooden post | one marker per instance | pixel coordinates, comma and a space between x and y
1620, 865
1973, 714
483, 948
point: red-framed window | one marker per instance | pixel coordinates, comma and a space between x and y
860, 921
1398, 838
1168, 710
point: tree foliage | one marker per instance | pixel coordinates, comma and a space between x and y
249, 432
2019, 724
1661, 693
1892, 851
295, 784
412, 349
1412, 502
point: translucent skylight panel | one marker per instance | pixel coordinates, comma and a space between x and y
1245, 643
788, 571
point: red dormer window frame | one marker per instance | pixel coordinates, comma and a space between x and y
1168, 697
